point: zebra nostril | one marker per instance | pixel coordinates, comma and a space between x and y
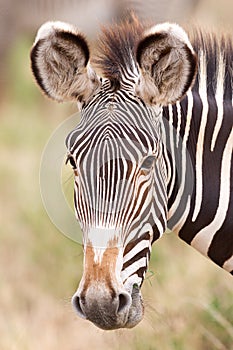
76, 302
124, 301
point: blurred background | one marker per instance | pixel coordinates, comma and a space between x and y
188, 300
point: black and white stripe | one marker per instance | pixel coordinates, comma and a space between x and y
112, 190
153, 150
204, 120
190, 185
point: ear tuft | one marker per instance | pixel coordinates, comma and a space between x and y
60, 63
167, 64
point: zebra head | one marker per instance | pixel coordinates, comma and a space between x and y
116, 151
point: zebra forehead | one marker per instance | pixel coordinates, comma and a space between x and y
113, 135
124, 117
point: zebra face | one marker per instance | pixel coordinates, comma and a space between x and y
118, 167
116, 151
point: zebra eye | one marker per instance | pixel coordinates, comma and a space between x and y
148, 163
71, 160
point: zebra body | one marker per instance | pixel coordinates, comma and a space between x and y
144, 156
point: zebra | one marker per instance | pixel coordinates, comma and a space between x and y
153, 150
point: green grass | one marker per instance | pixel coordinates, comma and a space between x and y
188, 300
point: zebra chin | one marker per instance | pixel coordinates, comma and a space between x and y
109, 312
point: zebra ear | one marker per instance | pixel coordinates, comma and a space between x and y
167, 64
59, 61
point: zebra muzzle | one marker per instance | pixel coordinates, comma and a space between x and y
109, 309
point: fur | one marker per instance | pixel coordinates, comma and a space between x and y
159, 61
164, 54
60, 63
215, 48
167, 63
116, 49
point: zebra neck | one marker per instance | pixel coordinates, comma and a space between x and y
199, 143
180, 171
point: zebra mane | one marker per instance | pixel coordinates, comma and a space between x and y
116, 48
216, 48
